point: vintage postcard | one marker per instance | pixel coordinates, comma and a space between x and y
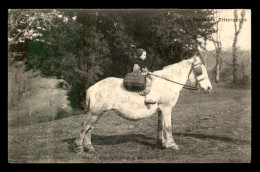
129, 86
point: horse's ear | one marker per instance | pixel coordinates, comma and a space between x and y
190, 61
197, 59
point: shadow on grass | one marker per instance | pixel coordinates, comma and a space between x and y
214, 137
116, 139
147, 141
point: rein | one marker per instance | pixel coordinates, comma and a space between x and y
185, 86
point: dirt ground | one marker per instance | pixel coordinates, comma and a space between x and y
212, 128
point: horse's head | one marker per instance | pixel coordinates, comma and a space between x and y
199, 75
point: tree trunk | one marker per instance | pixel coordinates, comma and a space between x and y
235, 65
217, 68
218, 48
237, 31
83, 53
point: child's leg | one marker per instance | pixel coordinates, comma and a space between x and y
147, 87
148, 97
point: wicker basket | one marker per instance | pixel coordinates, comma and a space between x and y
134, 83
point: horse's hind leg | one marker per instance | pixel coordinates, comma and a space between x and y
87, 145
87, 126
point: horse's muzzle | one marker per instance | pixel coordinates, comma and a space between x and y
205, 91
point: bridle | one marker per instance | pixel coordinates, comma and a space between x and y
196, 73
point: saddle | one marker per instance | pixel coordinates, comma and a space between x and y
134, 82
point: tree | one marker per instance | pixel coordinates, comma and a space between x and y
91, 54
84, 46
218, 49
72, 49
18, 24
237, 31
179, 33
170, 35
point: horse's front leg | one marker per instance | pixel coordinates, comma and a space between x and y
160, 136
167, 128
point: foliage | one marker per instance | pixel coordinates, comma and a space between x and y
84, 46
237, 31
226, 73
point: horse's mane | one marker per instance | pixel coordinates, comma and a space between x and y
177, 65
174, 70
183, 63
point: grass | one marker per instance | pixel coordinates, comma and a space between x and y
41, 102
212, 128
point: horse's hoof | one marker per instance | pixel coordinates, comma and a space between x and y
79, 149
175, 147
171, 146
81, 153
89, 149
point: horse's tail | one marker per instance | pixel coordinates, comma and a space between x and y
87, 101
86, 107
